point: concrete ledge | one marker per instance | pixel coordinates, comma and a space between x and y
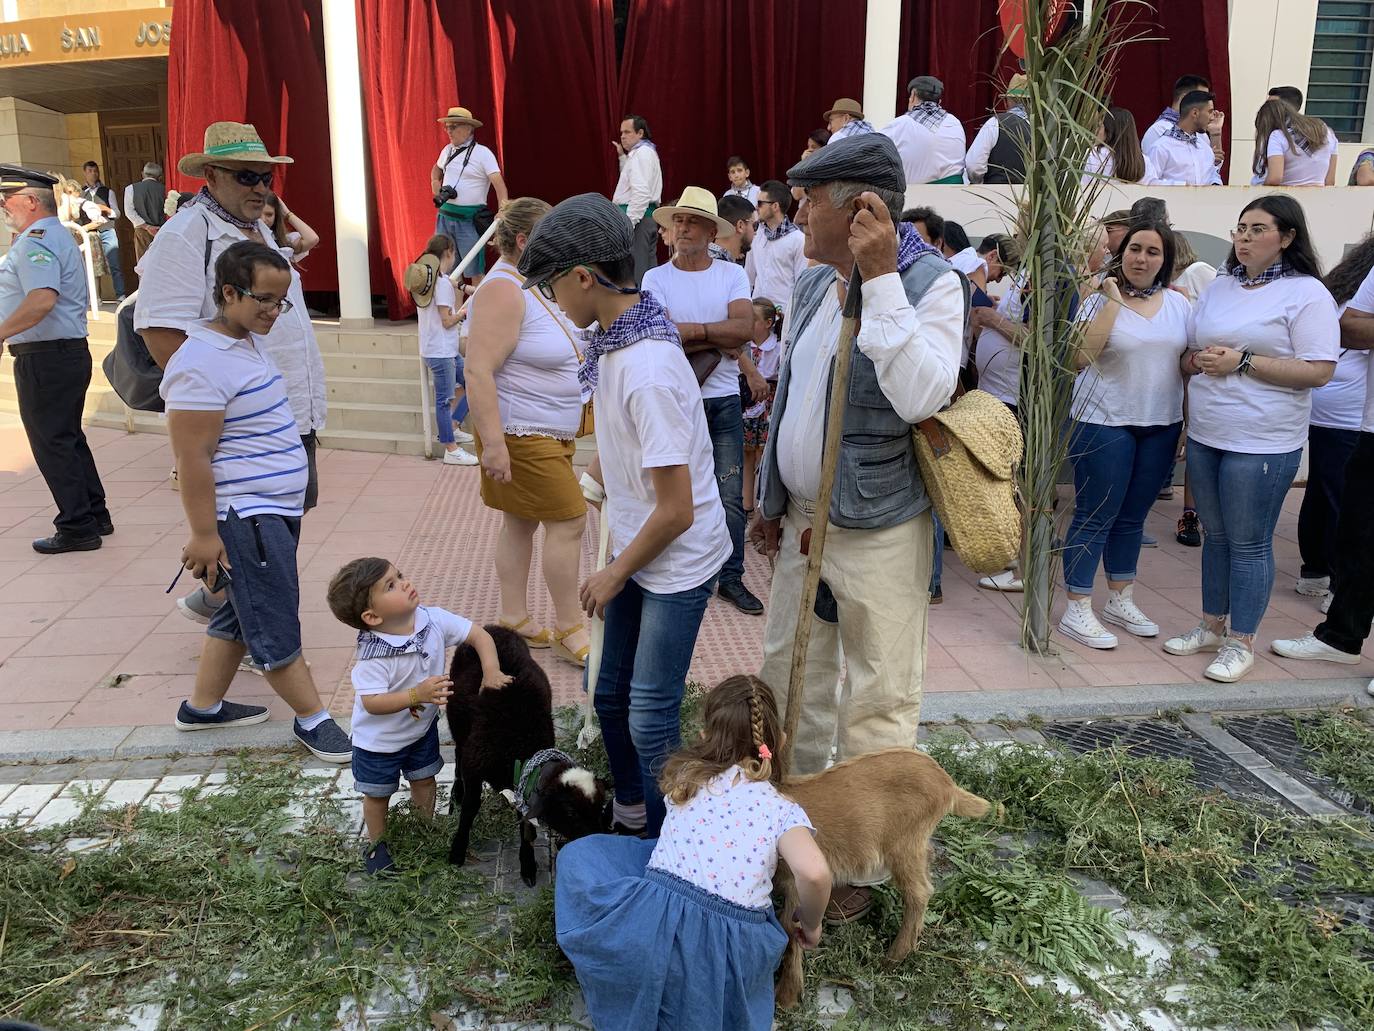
41, 746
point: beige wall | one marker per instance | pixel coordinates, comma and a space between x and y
15, 10
48, 140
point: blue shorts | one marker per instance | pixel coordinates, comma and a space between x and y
378, 774
263, 603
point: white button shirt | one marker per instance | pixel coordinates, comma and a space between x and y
177, 289
915, 351
774, 265
928, 154
1187, 162
976, 160
641, 181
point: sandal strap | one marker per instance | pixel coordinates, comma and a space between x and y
560, 635
515, 626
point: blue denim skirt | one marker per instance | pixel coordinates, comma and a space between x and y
654, 951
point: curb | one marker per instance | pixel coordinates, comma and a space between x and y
150, 742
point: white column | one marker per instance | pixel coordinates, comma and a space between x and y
881, 44
347, 146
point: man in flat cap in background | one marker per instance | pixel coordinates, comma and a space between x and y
878, 548
43, 319
930, 140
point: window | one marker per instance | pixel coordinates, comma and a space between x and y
1338, 87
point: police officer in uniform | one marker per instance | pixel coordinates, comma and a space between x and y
43, 319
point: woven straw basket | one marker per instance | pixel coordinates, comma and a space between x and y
968, 454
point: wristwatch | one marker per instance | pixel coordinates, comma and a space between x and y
1246, 360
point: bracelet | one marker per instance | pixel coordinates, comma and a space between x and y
591, 490
414, 698
706, 332
1247, 359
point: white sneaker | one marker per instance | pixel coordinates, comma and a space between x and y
1079, 624
1312, 586
1325, 605
1369, 688
1006, 581
1309, 647
1198, 639
459, 457
1232, 662
1122, 611
461, 436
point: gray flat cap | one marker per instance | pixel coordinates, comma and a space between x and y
927, 85
871, 158
582, 230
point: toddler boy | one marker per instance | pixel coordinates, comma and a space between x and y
401, 680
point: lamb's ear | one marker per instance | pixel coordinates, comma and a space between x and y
603, 789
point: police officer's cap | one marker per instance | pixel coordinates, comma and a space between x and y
17, 177
582, 230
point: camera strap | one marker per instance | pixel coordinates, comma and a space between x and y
466, 150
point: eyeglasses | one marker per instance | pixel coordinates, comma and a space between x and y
282, 306
1252, 231
247, 177
546, 287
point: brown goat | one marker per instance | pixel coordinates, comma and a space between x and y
873, 814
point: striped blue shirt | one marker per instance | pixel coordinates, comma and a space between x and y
259, 463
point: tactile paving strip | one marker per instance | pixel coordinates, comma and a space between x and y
1276, 738
1160, 739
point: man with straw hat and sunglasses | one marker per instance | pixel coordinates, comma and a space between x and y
708, 299
176, 290
460, 181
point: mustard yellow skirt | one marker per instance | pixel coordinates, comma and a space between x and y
543, 485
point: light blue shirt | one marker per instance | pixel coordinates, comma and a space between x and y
44, 256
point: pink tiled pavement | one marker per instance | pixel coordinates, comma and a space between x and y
90, 639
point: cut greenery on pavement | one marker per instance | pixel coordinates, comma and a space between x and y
235, 911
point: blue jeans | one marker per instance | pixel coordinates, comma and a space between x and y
447, 372
109, 243
1239, 498
644, 659
725, 422
464, 234
937, 560
1117, 471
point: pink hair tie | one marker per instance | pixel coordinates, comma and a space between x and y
765, 752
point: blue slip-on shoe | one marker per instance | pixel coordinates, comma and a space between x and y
231, 714
327, 742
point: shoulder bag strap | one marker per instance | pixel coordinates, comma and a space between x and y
538, 297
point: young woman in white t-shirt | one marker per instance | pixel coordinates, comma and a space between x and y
1127, 412
1337, 411
680, 932
1262, 336
1291, 148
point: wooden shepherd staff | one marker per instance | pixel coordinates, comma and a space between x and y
820, 519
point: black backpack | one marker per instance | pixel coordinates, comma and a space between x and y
129, 366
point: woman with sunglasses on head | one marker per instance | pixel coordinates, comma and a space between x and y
1262, 336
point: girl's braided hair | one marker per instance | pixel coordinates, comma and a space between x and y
740, 727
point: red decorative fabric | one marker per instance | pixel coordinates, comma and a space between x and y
748, 77
262, 62
540, 77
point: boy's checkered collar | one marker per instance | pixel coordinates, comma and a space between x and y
374, 645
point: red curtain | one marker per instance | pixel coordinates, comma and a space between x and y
748, 77
258, 61
539, 75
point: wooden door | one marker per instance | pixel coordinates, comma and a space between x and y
127, 149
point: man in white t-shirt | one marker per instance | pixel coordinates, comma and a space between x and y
708, 299
778, 255
462, 177
1341, 636
655, 474
929, 138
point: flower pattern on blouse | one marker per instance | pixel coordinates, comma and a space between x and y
725, 838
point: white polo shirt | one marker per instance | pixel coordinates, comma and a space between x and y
177, 290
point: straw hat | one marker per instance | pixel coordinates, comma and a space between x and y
421, 278
845, 106
228, 141
1018, 86
694, 201
461, 115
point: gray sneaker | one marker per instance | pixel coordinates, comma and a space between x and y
197, 607
328, 742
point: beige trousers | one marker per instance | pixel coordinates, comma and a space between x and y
881, 583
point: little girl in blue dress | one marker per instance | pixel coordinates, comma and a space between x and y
679, 932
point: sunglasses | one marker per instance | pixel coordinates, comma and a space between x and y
246, 177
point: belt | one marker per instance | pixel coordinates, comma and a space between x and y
37, 346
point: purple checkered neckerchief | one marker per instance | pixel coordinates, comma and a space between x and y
910, 246
208, 199
642, 143
855, 128
645, 319
370, 646
1168, 115
1179, 134
784, 227
928, 113
1278, 270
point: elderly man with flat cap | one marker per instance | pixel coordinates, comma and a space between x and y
43, 319
929, 138
878, 549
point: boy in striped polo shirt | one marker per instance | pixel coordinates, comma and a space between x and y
242, 470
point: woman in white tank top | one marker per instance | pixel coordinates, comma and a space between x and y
521, 372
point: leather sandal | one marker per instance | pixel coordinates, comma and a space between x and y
540, 640
848, 904
562, 651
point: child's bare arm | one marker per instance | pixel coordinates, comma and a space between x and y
799, 850
433, 690
485, 648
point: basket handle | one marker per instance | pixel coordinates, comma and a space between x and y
936, 436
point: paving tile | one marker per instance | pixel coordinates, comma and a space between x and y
60, 810
178, 782
26, 800
127, 792
99, 636
51, 678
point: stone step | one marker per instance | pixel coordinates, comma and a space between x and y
400, 339
372, 390
405, 420
399, 368
363, 440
